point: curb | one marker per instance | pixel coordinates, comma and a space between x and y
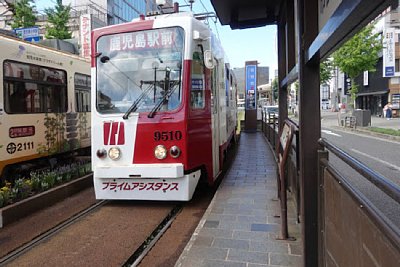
25, 207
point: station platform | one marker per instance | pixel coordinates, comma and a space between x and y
240, 227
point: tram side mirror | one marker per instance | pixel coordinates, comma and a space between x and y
208, 59
104, 59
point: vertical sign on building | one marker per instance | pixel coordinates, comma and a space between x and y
251, 85
388, 52
86, 28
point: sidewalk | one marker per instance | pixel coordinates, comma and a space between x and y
329, 119
239, 228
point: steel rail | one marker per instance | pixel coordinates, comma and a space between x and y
153, 238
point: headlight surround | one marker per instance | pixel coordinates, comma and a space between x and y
114, 153
160, 152
175, 152
101, 153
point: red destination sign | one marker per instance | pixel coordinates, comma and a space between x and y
21, 131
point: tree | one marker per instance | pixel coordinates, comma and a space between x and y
275, 89
359, 54
58, 17
24, 16
325, 71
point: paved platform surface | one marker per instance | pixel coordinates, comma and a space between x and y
239, 228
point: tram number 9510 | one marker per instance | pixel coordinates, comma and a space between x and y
167, 135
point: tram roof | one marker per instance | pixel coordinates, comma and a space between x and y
241, 14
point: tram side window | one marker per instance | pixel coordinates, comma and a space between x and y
33, 89
82, 92
197, 95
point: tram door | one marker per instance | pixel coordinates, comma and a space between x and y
215, 119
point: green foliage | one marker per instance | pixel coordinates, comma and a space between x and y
58, 17
325, 71
275, 88
387, 131
54, 134
23, 14
359, 54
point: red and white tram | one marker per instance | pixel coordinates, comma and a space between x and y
164, 108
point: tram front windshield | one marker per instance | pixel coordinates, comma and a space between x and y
140, 71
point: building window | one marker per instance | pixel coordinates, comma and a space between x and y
325, 92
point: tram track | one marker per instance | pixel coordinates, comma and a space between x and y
48, 234
116, 233
103, 235
150, 242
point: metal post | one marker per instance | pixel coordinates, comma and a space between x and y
309, 127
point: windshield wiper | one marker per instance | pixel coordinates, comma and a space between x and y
169, 88
163, 99
135, 104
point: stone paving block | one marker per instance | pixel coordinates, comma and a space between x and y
240, 200
231, 243
269, 246
211, 224
256, 236
217, 263
257, 205
215, 232
204, 241
237, 211
222, 217
217, 210
296, 249
257, 265
236, 225
202, 252
227, 205
247, 256
285, 260
252, 218
258, 227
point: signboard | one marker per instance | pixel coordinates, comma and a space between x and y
365, 80
347, 84
326, 10
388, 52
86, 28
396, 101
28, 34
251, 82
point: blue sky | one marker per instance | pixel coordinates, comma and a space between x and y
240, 45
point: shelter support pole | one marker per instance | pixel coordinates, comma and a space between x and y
309, 127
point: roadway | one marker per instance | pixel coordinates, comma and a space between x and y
380, 155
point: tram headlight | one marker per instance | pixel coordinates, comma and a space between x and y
175, 152
101, 153
160, 152
114, 153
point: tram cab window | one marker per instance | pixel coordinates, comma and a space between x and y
197, 94
33, 89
